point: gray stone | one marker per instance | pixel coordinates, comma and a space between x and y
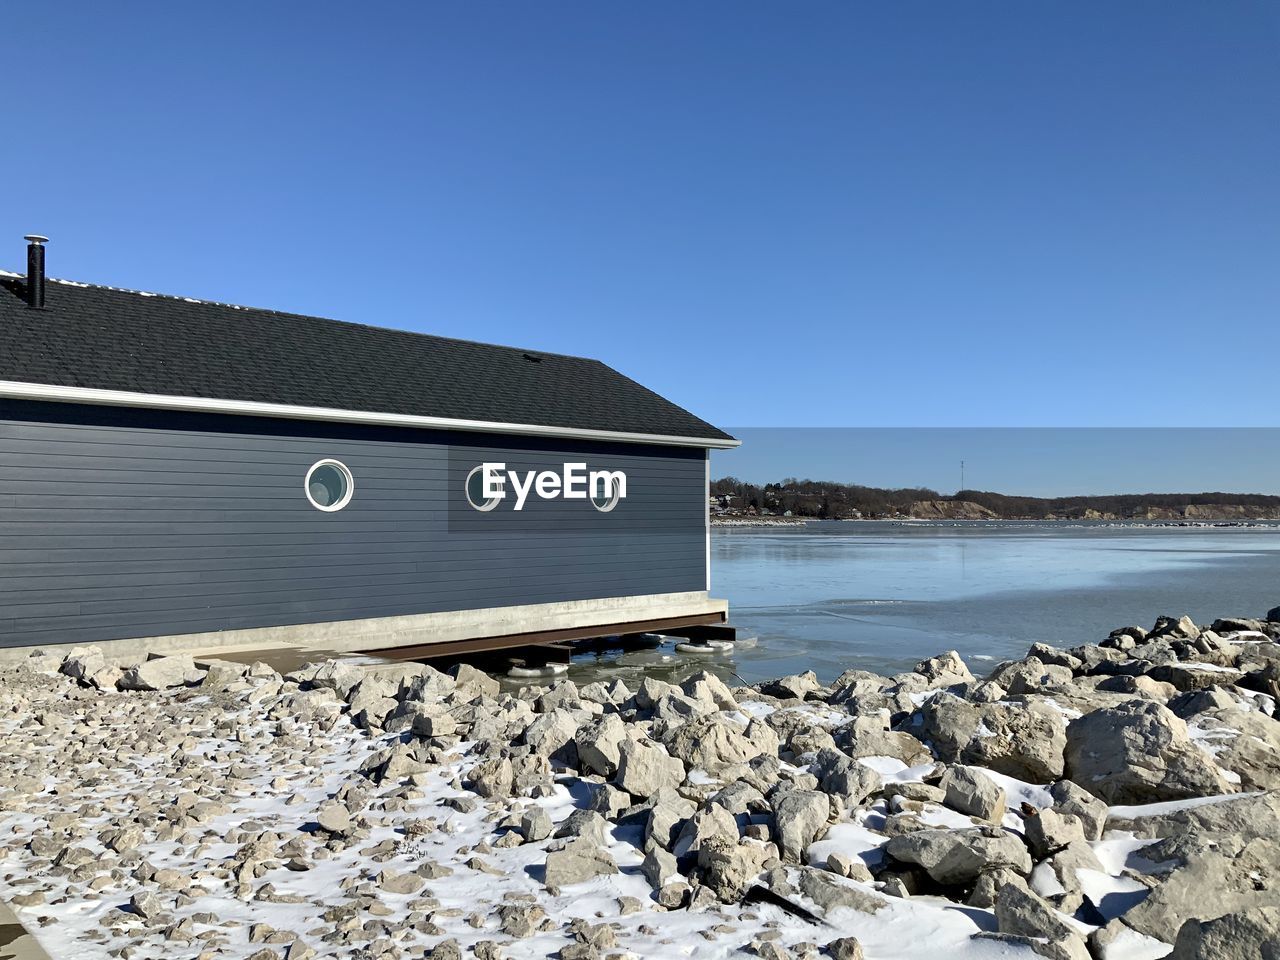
334, 818
829, 892
1071, 798
659, 867
714, 742
1021, 913
1235, 936
535, 824
161, 673
845, 948
577, 862
799, 816
973, 792
645, 768
475, 681
1138, 752
959, 856
399, 883
599, 745
796, 686
1023, 740
845, 779
1049, 831
492, 778
710, 821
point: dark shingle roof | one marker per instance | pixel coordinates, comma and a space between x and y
100, 337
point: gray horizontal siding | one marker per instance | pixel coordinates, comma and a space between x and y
117, 523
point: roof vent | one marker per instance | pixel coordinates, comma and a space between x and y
35, 270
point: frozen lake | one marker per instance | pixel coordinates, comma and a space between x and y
881, 596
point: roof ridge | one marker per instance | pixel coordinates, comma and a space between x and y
306, 316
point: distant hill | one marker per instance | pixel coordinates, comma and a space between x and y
829, 500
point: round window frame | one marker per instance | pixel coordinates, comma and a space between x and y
614, 498
347, 494
466, 491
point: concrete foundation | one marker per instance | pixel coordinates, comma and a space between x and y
415, 630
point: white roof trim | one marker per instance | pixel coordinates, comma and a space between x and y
125, 398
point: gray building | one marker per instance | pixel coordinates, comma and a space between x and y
179, 474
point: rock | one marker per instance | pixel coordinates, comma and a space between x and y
551, 735
146, 905
586, 824
1050, 831
475, 681
535, 824
710, 689
1189, 677
599, 745
1023, 740
1246, 817
659, 867
844, 865
845, 779
944, 670
492, 778
1234, 936
579, 861
799, 816
959, 856
845, 948
667, 812
989, 883
1187, 705
1070, 798
82, 663
829, 892
1214, 880
1022, 913
971, 791
645, 768
1247, 743
729, 867
1170, 628
161, 673
796, 686
337, 675
334, 818
711, 821
714, 742
520, 920
400, 883
1138, 752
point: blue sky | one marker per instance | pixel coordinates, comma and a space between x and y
816, 214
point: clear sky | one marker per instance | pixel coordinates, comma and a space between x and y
818, 213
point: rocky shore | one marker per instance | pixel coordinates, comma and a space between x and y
1118, 800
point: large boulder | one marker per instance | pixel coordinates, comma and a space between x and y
579, 861
846, 780
1245, 742
645, 768
599, 745
944, 670
161, 673
1024, 739
971, 791
1254, 935
729, 867
714, 742
1139, 752
799, 816
959, 856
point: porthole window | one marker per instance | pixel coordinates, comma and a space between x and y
475, 491
606, 494
329, 485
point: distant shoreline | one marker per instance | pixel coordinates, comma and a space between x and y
723, 521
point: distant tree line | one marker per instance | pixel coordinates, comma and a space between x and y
829, 500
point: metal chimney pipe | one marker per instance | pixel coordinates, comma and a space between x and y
35, 270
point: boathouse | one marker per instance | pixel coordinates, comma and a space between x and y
177, 474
